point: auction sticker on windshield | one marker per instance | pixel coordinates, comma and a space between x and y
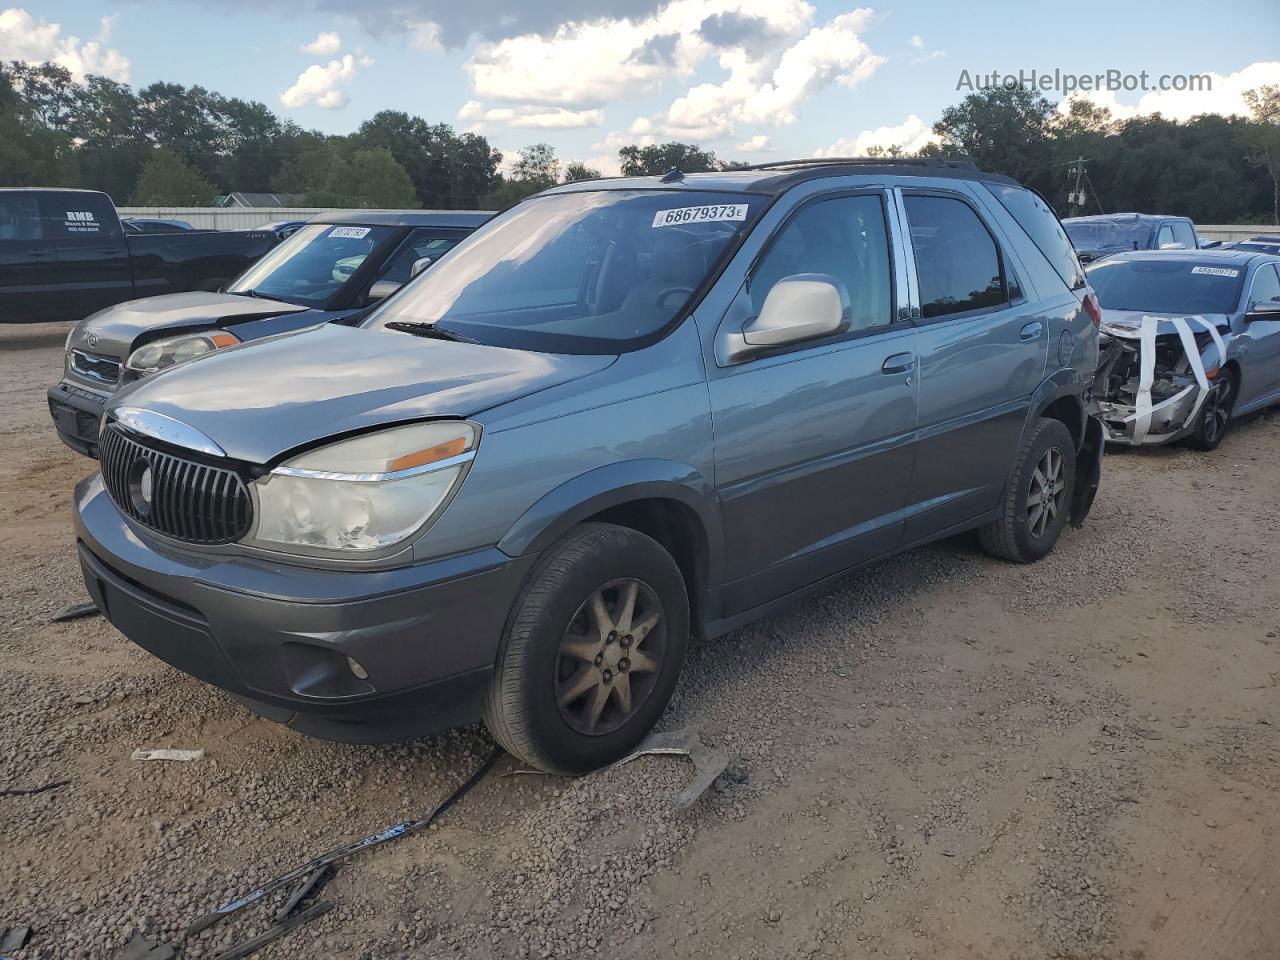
1216, 271
677, 216
350, 233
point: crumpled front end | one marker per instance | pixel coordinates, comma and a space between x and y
1154, 375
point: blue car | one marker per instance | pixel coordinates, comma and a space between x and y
284, 229
1190, 339
330, 268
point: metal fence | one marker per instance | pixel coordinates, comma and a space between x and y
224, 218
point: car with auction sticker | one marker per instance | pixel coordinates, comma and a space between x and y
623, 414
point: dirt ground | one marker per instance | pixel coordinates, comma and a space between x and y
947, 756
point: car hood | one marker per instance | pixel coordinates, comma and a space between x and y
113, 331
263, 399
1128, 323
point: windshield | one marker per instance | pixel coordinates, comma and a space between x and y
1166, 286
583, 272
314, 265
1108, 236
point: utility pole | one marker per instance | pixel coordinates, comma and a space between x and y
1076, 198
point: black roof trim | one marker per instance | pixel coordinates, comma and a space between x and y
791, 172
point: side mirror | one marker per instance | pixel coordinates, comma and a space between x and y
1173, 246
421, 264
1265, 310
380, 290
807, 306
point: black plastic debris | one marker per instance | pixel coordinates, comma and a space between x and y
75, 612
250, 947
15, 938
31, 791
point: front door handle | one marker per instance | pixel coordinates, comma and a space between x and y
1031, 331
898, 363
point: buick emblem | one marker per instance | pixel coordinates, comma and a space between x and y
91, 339
140, 486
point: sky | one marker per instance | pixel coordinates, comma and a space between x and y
754, 80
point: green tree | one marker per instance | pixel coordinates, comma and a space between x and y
1003, 130
1263, 138
537, 169
656, 159
167, 180
577, 170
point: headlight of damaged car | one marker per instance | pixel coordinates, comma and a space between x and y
363, 494
165, 353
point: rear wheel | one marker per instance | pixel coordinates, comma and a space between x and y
1037, 496
1215, 414
592, 654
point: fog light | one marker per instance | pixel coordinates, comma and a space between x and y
360, 672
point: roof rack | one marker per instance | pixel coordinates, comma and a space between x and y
865, 161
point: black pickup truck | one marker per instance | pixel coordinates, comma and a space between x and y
64, 255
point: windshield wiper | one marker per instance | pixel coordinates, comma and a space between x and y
259, 296
429, 330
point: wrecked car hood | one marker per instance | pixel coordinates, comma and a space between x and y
114, 330
1128, 323
261, 399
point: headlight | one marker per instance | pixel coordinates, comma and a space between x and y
165, 353
366, 493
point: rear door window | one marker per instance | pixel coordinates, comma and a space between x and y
1041, 224
79, 217
957, 260
20, 217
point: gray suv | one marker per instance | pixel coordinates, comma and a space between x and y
623, 413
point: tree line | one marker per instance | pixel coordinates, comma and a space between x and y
167, 144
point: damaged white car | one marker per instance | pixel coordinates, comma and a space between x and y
1189, 340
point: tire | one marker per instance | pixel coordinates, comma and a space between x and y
1215, 415
1018, 535
554, 630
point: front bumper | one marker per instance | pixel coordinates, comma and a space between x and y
277, 636
77, 414
1168, 423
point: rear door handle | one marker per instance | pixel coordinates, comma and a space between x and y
1031, 331
898, 363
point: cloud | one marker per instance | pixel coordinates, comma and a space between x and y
23, 37
425, 35
917, 41
1225, 96
754, 94
910, 135
326, 44
528, 117
754, 144
588, 63
323, 85
924, 54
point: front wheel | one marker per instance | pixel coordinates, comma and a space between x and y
592, 653
1215, 414
1037, 497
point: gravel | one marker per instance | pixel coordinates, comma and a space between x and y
944, 756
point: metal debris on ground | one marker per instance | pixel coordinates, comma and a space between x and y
75, 612
708, 762
140, 948
391, 833
250, 947
306, 889
15, 938
186, 756
31, 791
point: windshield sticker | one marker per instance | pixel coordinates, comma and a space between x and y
81, 221
351, 233
1216, 271
678, 216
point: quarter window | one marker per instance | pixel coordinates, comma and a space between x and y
19, 217
957, 260
844, 237
1041, 224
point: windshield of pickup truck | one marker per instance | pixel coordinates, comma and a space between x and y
1166, 286
1101, 235
313, 265
583, 272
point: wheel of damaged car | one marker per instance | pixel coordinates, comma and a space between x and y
1037, 499
592, 651
1215, 414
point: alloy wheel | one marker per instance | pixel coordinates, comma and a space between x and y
610, 656
1047, 491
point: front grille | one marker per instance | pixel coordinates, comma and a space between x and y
189, 500
95, 366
